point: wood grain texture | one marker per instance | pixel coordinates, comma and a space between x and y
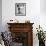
23, 27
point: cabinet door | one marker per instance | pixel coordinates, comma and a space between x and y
20, 37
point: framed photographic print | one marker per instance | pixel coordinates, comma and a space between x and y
20, 9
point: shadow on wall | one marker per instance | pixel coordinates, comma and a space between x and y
0, 15
43, 6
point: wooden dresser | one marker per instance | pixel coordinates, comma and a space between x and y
22, 33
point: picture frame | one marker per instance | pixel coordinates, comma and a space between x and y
20, 9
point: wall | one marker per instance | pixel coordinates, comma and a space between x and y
43, 6
0, 15
33, 13
43, 14
8, 11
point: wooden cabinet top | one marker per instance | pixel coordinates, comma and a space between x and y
20, 23
17, 27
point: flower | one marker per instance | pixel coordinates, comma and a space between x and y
40, 33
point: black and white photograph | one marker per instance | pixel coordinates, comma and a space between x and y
20, 9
